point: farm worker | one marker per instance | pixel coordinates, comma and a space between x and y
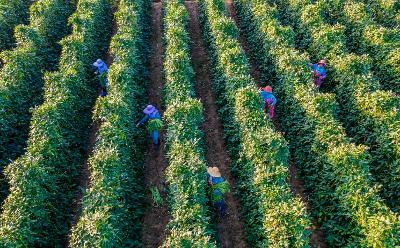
319, 72
152, 116
102, 71
218, 187
269, 100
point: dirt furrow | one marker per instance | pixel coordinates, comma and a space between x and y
296, 185
230, 228
155, 218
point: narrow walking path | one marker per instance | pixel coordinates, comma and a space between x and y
296, 185
84, 179
230, 228
155, 218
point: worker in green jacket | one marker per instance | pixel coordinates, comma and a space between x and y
218, 187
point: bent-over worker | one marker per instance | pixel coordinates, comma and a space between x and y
218, 187
319, 72
153, 117
269, 100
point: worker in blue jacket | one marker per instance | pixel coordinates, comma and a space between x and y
153, 119
319, 72
102, 71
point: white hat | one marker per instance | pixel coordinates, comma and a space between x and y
214, 171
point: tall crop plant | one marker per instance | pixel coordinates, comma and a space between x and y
366, 36
336, 171
113, 205
371, 115
186, 172
12, 13
43, 181
386, 12
273, 216
21, 78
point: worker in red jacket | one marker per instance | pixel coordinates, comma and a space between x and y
269, 100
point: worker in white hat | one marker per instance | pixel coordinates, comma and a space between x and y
218, 187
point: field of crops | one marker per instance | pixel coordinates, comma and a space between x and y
77, 171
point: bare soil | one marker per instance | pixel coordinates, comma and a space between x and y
155, 218
230, 228
317, 239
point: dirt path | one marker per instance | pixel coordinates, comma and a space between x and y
230, 228
155, 218
296, 185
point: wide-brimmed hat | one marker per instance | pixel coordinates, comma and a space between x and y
267, 89
149, 109
98, 63
322, 62
214, 171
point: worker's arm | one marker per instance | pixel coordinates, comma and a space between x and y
144, 120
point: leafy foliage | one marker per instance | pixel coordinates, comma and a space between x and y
12, 13
186, 171
366, 36
371, 114
113, 204
273, 216
21, 78
43, 181
336, 171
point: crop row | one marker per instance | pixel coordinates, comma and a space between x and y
386, 12
112, 206
21, 78
186, 171
366, 36
336, 171
371, 114
12, 13
43, 181
274, 217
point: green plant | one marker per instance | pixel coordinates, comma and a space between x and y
112, 207
273, 216
12, 13
21, 78
186, 172
336, 172
43, 181
370, 114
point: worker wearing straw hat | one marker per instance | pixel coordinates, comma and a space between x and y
269, 100
102, 71
152, 116
319, 72
218, 187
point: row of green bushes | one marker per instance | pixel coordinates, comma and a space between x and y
371, 115
21, 78
366, 36
273, 216
12, 13
385, 12
336, 172
43, 181
186, 171
112, 206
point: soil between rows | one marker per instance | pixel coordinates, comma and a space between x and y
155, 218
230, 228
